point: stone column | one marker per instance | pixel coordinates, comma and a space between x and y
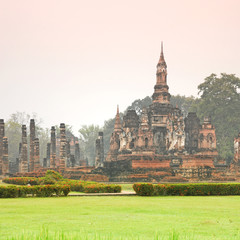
36, 155
17, 165
99, 151
77, 153
5, 162
53, 148
48, 154
72, 160
2, 133
32, 137
68, 152
45, 162
63, 155
24, 153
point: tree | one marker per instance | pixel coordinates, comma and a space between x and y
88, 136
220, 99
139, 104
184, 103
13, 130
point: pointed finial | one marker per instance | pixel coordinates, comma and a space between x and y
117, 125
161, 59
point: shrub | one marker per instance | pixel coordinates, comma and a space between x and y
189, 189
143, 189
50, 174
39, 191
22, 180
102, 188
159, 190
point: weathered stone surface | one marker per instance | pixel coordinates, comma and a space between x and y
99, 151
5, 162
45, 163
63, 153
31, 148
37, 165
53, 148
23, 159
2, 133
77, 153
161, 140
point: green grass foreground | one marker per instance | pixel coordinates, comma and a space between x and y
174, 217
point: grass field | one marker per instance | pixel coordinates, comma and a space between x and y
121, 218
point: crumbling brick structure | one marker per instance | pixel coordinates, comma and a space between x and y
53, 148
99, 151
161, 140
23, 158
31, 148
63, 153
2, 133
77, 153
4, 162
37, 165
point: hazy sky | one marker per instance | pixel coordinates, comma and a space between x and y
73, 61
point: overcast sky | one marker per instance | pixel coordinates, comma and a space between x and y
73, 61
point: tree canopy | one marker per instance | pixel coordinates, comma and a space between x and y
220, 99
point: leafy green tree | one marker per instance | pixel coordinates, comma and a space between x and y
220, 99
139, 104
88, 136
184, 103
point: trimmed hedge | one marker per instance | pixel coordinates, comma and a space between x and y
38, 191
143, 189
54, 178
23, 180
189, 189
91, 187
102, 188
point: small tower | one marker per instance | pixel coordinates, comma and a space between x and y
117, 125
114, 140
161, 94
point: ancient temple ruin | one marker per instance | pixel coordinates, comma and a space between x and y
159, 144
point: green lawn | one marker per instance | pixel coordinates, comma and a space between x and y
122, 217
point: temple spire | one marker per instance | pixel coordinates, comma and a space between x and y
161, 94
161, 59
117, 126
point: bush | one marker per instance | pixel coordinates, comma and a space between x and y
102, 188
54, 178
22, 180
189, 189
50, 174
159, 190
39, 191
91, 187
143, 189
